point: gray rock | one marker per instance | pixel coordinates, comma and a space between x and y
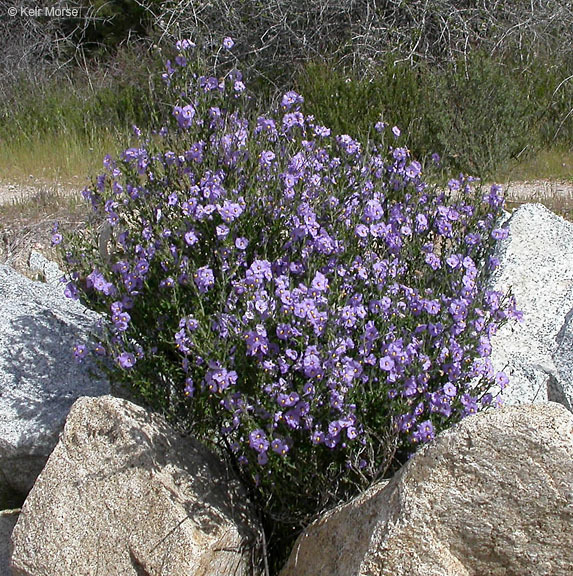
46, 270
39, 378
124, 494
492, 495
562, 384
8, 519
537, 263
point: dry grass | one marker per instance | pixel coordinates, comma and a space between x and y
26, 224
545, 165
68, 160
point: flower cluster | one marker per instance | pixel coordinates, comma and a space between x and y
304, 294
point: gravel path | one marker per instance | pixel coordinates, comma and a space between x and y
533, 191
538, 190
16, 193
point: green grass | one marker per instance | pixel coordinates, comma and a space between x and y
485, 117
70, 160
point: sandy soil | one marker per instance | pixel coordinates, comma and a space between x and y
17, 193
532, 191
540, 190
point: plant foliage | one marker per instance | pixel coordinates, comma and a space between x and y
305, 304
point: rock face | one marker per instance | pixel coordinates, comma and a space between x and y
562, 383
537, 262
45, 269
124, 494
8, 519
39, 379
493, 495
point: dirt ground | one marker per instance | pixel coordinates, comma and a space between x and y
528, 191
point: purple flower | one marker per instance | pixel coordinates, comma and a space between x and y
184, 44
486, 399
473, 238
189, 388
292, 119
204, 279
96, 281
71, 291
501, 380
222, 231
287, 400
317, 437
262, 458
258, 440
312, 365
469, 403
450, 390
421, 223
173, 199
167, 282
396, 131
260, 270
100, 349
424, 432
500, 233
405, 422
257, 341
184, 115
349, 145
126, 360
454, 185
321, 131
334, 428
291, 99
433, 261
386, 363
142, 266
219, 379
121, 321
80, 352
279, 446
432, 307
320, 282
351, 432
495, 196
453, 261
266, 158
241, 243
228, 43
230, 211
414, 169
131, 283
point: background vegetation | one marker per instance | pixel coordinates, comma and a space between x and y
488, 85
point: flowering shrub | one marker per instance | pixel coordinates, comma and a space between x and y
311, 307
